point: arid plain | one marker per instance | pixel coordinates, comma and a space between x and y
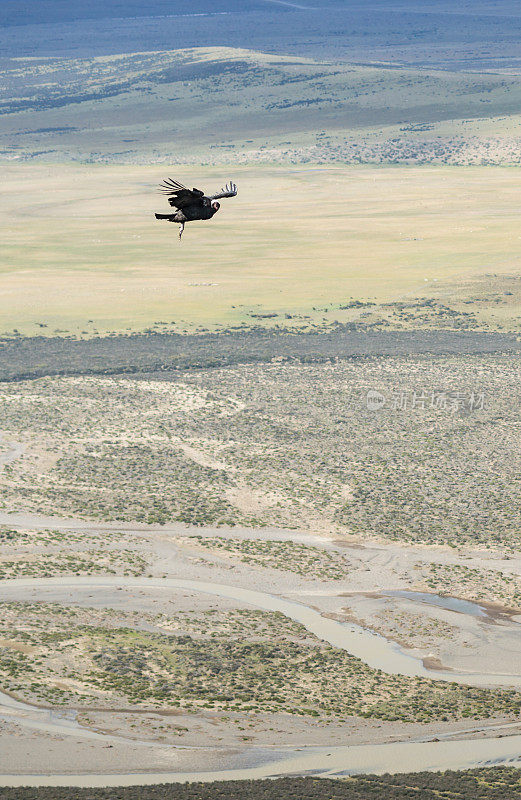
140, 514
85, 256
259, 489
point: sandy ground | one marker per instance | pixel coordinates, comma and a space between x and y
463, 642
26, 752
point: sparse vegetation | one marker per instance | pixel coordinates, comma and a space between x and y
44, 553
348, 365
90, 562
471, 583
307, 561
290, 445
401, 114
236, 666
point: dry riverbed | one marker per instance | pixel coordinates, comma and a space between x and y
150, 671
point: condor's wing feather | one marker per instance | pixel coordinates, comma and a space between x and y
230, 190
169, 185
186, 197
178, 195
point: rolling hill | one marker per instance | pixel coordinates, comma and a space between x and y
219, 105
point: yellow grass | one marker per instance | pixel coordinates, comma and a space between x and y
81, 243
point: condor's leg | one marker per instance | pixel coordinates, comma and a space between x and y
181, 229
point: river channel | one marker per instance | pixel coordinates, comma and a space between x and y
373, 649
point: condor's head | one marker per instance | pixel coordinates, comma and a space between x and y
215, 206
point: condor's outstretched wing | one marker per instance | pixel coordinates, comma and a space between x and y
230, 190
179, 196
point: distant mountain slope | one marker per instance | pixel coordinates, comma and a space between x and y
36, 12
222, 104
477, 35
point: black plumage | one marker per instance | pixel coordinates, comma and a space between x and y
192, 204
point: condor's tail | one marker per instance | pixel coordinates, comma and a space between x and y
169, 217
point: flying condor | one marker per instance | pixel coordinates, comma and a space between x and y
191, 204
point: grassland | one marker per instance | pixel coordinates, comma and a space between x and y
251, 662
399, 247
